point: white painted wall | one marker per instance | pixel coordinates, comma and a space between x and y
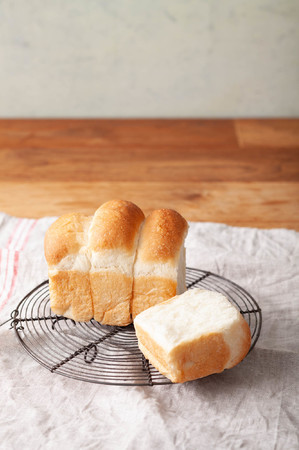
149, 58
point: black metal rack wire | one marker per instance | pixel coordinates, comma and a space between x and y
105, 354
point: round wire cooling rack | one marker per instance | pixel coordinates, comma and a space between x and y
96, 353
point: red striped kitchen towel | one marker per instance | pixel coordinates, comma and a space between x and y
22, 263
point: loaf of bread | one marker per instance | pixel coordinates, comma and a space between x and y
159, 270
68, 263
193, 335
113, 239
92, 262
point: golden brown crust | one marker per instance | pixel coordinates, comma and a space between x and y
71, 289
119, 315
210, 352
111, 294
150, 290
152, 351
65, 236
162, 236
115, 226
158, 364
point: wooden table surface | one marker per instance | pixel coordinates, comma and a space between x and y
239, 172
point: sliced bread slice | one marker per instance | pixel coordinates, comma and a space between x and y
193, 335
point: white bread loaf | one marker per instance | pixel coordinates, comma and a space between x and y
92, 262
113, 238
193, 335
68, 264
159, 270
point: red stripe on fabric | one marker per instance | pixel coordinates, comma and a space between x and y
6, 271
16, 258
18, 224
0, 265
28, 234
16, 228
14, 278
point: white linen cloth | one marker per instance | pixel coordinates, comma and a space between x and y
254, 405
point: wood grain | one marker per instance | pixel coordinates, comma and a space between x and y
268, 133
264, 205
242, 172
